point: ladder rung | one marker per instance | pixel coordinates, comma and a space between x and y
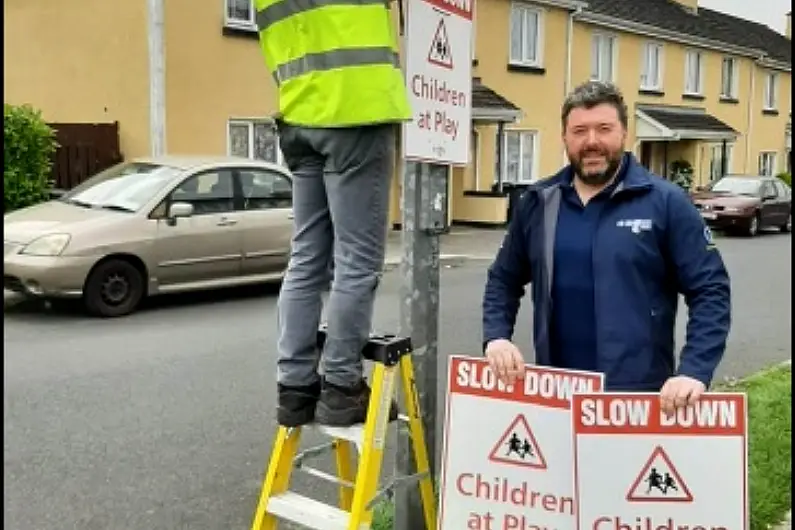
309, 512
353, 434
326, 476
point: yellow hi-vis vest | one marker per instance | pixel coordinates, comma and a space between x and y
335, 62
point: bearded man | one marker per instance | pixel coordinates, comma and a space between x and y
608, 248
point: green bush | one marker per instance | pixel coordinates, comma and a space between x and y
28, 146
786, 178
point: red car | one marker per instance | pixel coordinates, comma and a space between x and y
746, 204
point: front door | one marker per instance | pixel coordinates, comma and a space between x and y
646, 154
207, 245
267, 222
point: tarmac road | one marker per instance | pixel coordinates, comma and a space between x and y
163, 420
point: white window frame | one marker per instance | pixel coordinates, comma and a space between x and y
477, 152
597, 40
250, 122
250, 24
645, 66
536, 136
716, 151
520, 8
699, 89
734, 90
763, 169
770, 95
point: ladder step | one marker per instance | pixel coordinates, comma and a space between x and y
353, 434
306, 511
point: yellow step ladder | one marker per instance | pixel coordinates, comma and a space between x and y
358, 493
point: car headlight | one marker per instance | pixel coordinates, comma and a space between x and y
49, 245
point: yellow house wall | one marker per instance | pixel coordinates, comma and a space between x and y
210, 79
82, 63
767, 130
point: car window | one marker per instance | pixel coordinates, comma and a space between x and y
782, 189
769, 190
264, 190
208, 192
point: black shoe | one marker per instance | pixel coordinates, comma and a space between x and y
346, 406
297, 404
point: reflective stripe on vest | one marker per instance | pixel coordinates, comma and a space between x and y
315, 62
287, 8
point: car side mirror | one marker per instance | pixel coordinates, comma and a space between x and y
177, 210
768, 197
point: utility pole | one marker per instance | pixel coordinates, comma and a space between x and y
438, 72
157, 76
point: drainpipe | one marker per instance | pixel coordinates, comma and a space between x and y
750, 125
157, 77
569, 51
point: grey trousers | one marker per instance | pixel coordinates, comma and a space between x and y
341, 205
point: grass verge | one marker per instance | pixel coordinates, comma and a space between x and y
769, 444
769, 448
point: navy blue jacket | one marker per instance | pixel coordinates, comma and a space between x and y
651, 244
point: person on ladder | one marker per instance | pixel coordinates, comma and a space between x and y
341, 97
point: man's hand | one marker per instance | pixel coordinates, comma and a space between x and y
679, 392
505, 360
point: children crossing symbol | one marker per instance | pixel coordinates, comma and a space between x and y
440, 53
518, 446
659, 481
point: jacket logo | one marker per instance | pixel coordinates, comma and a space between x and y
635, 225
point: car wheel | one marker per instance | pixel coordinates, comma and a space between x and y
114, 288
753, 225
788, 225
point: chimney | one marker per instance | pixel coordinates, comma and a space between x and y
788, 31
689, 5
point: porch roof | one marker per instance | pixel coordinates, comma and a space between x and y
672, 123
490, 107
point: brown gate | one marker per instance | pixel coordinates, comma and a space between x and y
85, 149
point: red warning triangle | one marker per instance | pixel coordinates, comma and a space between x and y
440, 53
659, 481
518, 446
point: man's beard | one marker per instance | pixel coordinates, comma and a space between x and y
597, 178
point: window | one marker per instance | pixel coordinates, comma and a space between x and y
771, 91
240, 13
651, 70
603, 50
768, 191
783, 190
526, 35
520, 156
255, 139
716, 161
208, 192
767, 163
265, 190
729, 78
694, 73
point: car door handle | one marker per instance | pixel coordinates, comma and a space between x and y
225, 221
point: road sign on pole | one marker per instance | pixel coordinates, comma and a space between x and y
438, 74
439, 78
637, 467
506, 460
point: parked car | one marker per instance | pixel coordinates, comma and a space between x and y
746, 203
151, 226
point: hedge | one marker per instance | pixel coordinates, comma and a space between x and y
28, 144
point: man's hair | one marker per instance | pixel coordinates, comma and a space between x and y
592, 93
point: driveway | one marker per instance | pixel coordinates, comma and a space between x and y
163, 420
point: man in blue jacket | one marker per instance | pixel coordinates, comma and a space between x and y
607, 248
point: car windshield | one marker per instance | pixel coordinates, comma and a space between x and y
125, 187
737, 186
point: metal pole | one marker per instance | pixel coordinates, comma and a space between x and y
157, 77
419, 317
